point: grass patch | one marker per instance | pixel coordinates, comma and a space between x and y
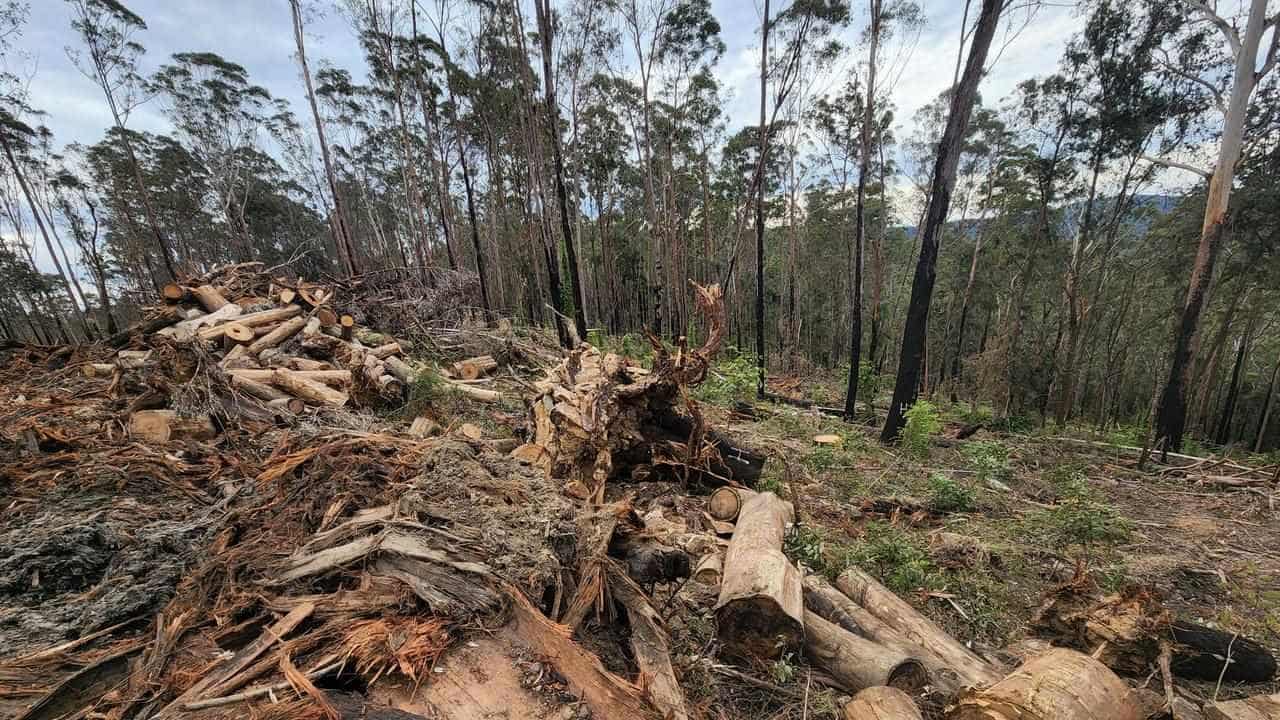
425, 391
900, 560
947, 495
990, 460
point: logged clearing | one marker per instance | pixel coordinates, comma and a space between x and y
214, 515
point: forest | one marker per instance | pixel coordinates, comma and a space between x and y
571, 164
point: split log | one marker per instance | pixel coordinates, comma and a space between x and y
193, 313
189, 329
917, 629
760, 611
257, 319
725, 502
209, 297
1061, 684
857, 663
309, 390
651, 648
287, 329
472, 368
327, 377
881, 703
1262, 707
288, 295
174, 293
313, 295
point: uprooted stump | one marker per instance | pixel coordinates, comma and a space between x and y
597, 416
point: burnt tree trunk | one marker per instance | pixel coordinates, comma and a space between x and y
941, 187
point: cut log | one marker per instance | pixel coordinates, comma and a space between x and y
347, 325
400, 369
288, 405
236, 357
915, 628
237, 333
709, 570
158, 426
173, 293
737, 462
257, 319
209, 297
254, 388
301, 363
760, 611
472, 368
474, 393
132, 359
313, 295
287, 329
309, 390
98, 369
382, 352
1262, 707
423, 427
327, 377
725, 502
326, 316
1061, 684
881, 703
857, 663
190, 329
287, 296
312, 327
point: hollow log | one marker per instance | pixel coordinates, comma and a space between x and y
1262, 707
209, 297
287, 329
309, 390
915, 628
327, 377
1200, 653
1061, 684
760, 611
725, 502
857, 663
881, 703
472, 368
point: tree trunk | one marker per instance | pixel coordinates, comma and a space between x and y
545, 31
1223, 434
1266, 407
763, 152
1171, 412
941, 187
859, 220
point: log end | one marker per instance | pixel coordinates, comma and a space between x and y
756, 628
173, 292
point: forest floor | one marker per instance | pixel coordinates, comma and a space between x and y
101, 531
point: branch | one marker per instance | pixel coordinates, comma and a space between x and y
1180, 166
1229, 32
1271, 50
1219, 101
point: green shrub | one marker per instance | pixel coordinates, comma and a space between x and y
731, 380
989, 459
805, 545
1014, 424
900, 560
631, 345
923, 422
424, 391
1079, 516
947, 495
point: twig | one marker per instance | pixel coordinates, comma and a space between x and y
266, 689
1225, 664
762, 684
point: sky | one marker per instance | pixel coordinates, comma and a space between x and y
258, 35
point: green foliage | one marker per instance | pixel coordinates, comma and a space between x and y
805, 545
923, 422
629, 345
732, 379
899, 559
1079, 516
783, 669
426, 389
1131, 435
989, 459
947, 495
769, 480
1013, 424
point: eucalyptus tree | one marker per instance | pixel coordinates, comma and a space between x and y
1228, 83
110, 57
